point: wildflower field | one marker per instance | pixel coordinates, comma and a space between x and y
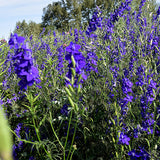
86, 94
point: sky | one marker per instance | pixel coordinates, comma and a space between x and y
12, 11
158, 1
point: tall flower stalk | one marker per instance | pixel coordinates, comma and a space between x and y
24, 67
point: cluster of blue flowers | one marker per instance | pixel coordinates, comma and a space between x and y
60, 61
141, 153
24, 67
127, 62
76, 35
94, 23
114, 17
73, 50
134, 75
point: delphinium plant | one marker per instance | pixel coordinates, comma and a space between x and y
123, 61
86, 94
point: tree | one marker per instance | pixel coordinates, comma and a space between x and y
27, 29
67, 13
56, 15
21, 28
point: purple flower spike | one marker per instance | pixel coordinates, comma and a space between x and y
80, 63
23, 61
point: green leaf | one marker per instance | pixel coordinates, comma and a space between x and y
41, 122
2, 72
36, 98
5, 138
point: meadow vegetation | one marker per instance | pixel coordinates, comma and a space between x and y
89, 94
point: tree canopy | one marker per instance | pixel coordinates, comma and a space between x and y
27, 29
67, 13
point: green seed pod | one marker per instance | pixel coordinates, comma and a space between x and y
72, 80
113, 139
68, 92
79, 78
73, 61
67, 79
79, 88
71, 102
73, 72
76, 108
5, 138
71, 88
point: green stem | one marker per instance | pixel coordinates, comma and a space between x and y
56, 134
72, 141
67, 133
72, 154
22, 139
37, 133
32, 110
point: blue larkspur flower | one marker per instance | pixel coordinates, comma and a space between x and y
123, 139
80, 63
24, 67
